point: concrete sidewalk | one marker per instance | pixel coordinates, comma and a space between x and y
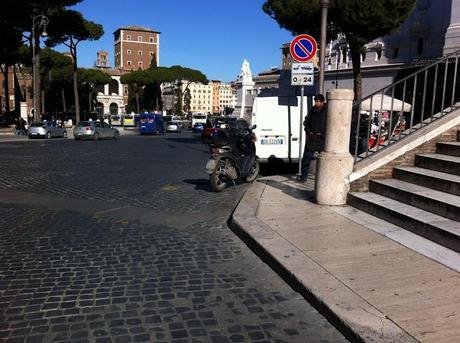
371, 287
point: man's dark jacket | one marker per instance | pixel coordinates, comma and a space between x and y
315, 129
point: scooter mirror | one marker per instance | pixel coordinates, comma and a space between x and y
253, 127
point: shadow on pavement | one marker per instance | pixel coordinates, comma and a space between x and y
278, 168
186, 140
301, 191
200, 184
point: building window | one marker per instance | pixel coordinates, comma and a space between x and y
139, 52
151, 40
140, 64
151, 53
128, 52
128, 37
139, 38
420, 46
128, 63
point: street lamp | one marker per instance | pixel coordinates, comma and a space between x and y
322, 50
40, 21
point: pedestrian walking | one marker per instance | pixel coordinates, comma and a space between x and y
315, 132
22, 127
16, 126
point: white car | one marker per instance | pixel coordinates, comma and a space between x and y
173, 126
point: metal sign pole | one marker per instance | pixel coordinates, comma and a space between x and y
301, 129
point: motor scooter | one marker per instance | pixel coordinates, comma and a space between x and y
233, 157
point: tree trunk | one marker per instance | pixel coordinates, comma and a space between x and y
38, 86
137, 101
356, 61
18, 96
73, 52
5, 71
77, 98
64, 104
42, 101
89, 100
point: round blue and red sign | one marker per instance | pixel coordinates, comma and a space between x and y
303, 48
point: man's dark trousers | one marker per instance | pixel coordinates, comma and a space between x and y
306, 159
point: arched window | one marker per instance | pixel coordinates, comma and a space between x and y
113, 87
113, 108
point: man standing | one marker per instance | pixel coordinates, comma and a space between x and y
315, 131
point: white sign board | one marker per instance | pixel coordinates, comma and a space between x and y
302, 74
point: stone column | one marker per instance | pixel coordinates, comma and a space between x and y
452, 40
335, 163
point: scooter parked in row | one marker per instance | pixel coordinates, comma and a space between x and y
233, 157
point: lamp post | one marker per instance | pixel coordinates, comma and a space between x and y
322, 50
39, 21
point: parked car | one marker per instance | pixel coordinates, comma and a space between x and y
46, 129
173, 126
198, 128
218, 124
94, 130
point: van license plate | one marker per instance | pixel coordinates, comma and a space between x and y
271, 141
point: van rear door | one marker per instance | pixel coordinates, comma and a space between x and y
278, 127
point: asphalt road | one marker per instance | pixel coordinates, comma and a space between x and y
123, 241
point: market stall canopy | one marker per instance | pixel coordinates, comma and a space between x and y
388, 104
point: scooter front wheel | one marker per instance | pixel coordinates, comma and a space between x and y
254, 172
218, 178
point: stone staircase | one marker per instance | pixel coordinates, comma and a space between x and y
424, 199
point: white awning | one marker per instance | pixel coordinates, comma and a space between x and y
388, 104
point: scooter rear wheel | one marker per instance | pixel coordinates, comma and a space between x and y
218, 178
254, 172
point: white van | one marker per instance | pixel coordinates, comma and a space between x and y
278, 127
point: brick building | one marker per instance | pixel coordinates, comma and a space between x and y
135, 47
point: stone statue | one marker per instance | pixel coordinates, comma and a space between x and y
246, 74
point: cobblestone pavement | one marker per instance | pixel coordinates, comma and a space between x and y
72, 275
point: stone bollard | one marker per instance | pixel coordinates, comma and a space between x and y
335, 163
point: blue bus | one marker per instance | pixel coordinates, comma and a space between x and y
151, 123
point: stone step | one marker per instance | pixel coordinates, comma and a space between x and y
433, 179
438, 229
439, 162
440, 203
448, 148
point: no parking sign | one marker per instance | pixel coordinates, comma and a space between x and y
303, 48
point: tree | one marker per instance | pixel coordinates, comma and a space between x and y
56, 70
10, 45
89, 79
72, 29
180, 75
361, 21
187, 100
20, 14
139, 79
136, 81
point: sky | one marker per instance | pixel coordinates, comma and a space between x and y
213, 36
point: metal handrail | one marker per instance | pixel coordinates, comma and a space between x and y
396, 111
